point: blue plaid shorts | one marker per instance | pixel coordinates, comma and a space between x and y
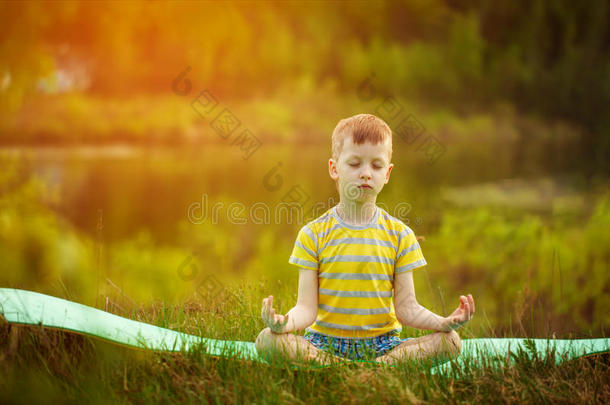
355, 349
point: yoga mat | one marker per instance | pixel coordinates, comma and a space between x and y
31, 308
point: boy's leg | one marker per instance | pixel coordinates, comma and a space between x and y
439, 344
293, 346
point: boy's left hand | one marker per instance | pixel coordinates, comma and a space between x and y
462, 314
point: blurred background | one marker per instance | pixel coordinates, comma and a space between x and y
137, 137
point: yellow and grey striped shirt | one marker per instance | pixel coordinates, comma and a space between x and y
356, 267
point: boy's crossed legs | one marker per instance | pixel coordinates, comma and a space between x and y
441, 345
435, 345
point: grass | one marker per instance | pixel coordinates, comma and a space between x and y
42, 365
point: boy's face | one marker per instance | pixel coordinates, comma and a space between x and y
359, 166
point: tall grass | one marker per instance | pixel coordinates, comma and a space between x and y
42, 365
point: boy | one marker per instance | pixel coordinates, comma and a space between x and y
355, 269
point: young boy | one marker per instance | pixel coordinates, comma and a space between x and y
355, 269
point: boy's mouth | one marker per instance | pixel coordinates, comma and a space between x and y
364, 186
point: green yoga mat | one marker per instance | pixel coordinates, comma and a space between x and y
31, 308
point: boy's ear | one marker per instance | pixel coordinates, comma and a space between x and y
387, 175
332, 169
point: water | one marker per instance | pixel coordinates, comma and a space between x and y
137, 188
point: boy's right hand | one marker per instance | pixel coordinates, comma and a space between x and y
274, 321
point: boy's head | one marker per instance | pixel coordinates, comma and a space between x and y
361, 155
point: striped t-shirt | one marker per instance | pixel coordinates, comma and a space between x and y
356, 267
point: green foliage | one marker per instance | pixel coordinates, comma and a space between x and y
527, 264
39, 249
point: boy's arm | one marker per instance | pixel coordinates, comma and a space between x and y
408, 311
305, 311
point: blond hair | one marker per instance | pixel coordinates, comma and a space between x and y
363, 128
